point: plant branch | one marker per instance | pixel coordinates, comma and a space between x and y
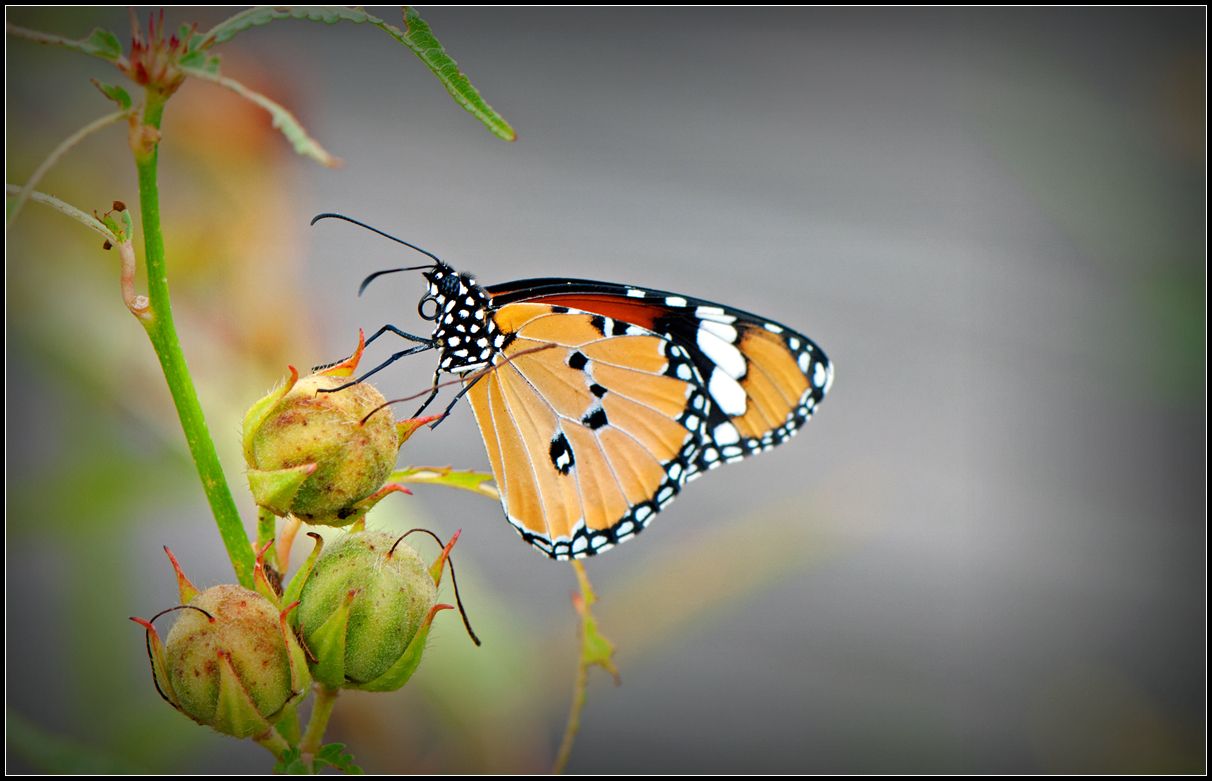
53, 157
467, 480
274, 742
595, 650
416, 35
87, 220
321, 712
163, 334
267, 527
283, 120
99, 43
137, 304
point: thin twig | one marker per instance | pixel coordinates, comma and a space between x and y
137, 304
64, 147
85, 219
321, 711
595, 650
274, 742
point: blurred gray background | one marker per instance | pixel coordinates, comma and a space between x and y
985, 553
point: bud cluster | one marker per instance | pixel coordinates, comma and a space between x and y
356, 614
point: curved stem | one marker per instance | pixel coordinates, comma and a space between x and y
274, 742
595, 650
87, 220
573, 726
163, 334
56, 153
321, 711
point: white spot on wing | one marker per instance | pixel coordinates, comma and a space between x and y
726, 434
633, 293
719, 348
713, 313
819, 375
675, 301
722, 330
727, 393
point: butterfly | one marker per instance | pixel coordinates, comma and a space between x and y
598, 402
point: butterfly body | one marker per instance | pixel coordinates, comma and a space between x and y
604, 400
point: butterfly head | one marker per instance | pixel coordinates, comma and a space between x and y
461, 313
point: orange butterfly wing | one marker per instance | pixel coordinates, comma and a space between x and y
603, 404
588, 435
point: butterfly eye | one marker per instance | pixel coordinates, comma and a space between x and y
430, 312
449, 286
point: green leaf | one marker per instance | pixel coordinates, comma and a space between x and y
335, 756
260, 15
327, 646
275, 489
200, 60
299, 579
292, 764
54, 754
104, 44
463, 479
416, 35
99, 43
425, 45
283, 120
114, 93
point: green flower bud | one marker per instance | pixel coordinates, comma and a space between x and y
230, 662
365, 611
323, 457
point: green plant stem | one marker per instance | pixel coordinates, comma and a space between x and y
267, 527
573, 726
163, 334
595, 650
273, 741
321, 711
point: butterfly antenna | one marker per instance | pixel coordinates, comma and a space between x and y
453, 581
372, 277
371, 228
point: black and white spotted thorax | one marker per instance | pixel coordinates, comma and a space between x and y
461, 311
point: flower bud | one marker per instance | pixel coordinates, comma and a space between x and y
365, 611
230, 661
322, 456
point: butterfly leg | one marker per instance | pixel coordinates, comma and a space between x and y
454, 401
394, 357
433, 394
397, 332
376, 335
